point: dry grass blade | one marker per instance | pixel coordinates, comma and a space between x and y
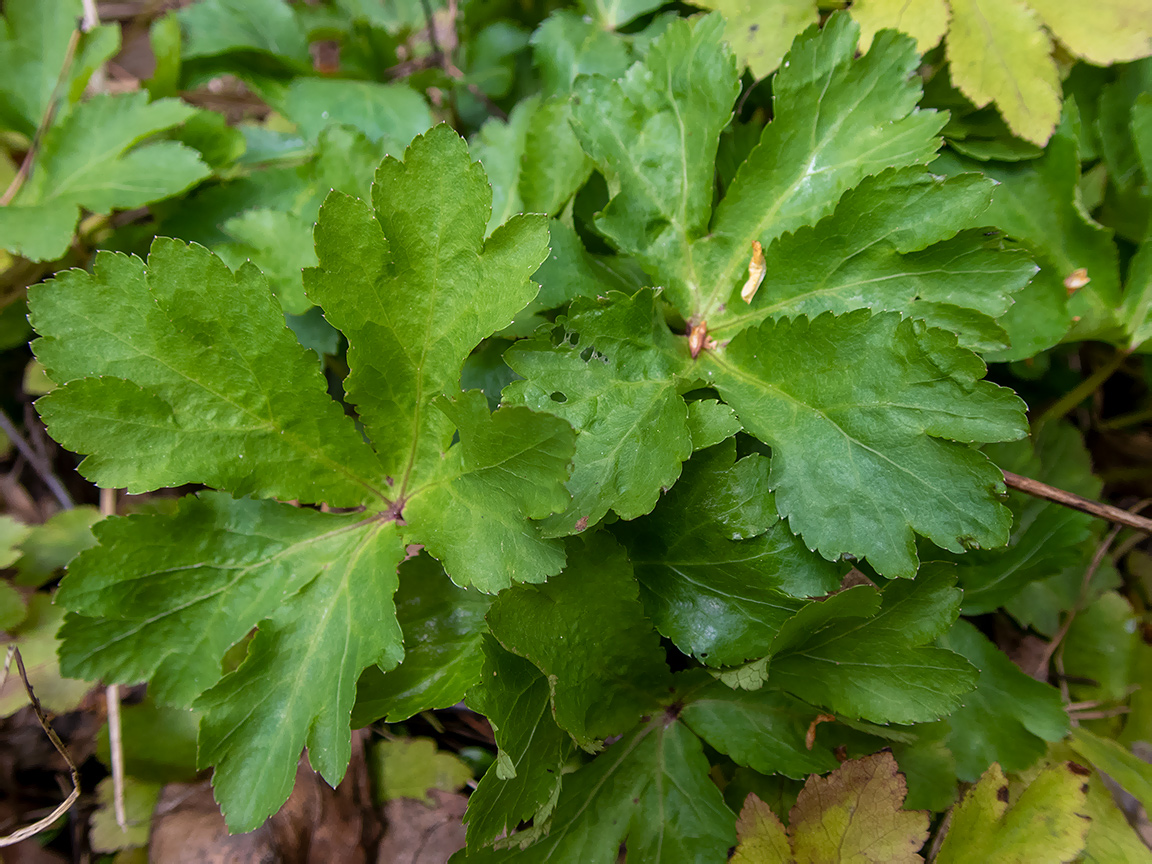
45, 823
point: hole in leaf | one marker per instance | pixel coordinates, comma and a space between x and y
558, 397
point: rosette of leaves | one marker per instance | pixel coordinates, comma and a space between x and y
831, 415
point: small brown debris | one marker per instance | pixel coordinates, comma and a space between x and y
1076, 280
757, 267
810, 737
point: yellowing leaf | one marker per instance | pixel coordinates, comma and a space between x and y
1112, 31
852, 816
999, 52
924, 20
763, 839
409, 767
1048, 822
761, 31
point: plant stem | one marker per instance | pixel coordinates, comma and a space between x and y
45, 122
38, 464
1086, 505
112, 701
1082, 390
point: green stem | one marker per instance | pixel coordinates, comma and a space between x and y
1082, 390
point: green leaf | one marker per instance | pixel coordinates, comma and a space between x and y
159, 743
149, 392
710, 422
90, 160
650, 790
443, 630
895, 242
1008, 718
568, 45
267, 27
761, 32
554, 165
499, 147
390, 114
610, 369
410, 767
1099, 649
472, 513
836, 120
719, 572
280, 244
1036, 202
139, 800
1046, 823
1110, 836
342, 622
863, 653
654, 134
764, 730
13, 535
174, 593
586, 631
515, 697
1137, 300
998, 52
34, 40
611, 14
872, 437
1111, 758
413, 285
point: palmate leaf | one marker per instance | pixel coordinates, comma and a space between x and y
90, 159
860, 452
838, 122
195, 378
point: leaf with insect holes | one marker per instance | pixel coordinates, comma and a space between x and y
610, 368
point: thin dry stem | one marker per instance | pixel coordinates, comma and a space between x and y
40, 824
45, 122
1085, 505
112, 700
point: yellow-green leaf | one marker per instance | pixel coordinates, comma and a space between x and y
1049, 821
999, 52
409, 767
763, 838
854, 815
761, 31
924, 20
1113, 31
